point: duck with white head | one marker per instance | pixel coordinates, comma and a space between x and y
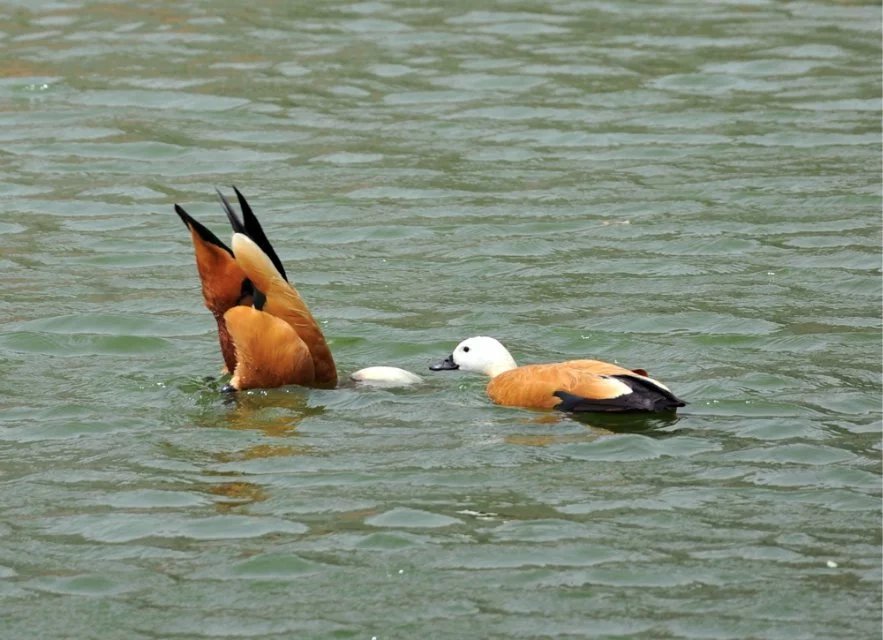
574, 385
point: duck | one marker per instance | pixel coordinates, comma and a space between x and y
267, 335
573, 386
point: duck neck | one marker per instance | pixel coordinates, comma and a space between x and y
501, 366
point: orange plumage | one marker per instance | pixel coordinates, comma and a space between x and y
282, 301
535, 385
267, 334
269, 353
224, 284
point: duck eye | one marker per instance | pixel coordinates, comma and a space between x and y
465, 349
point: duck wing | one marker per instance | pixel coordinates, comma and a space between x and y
224, 283
281, 300
640, 394
250, 226
269, 353
580, 385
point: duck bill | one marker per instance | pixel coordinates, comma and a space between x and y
447, 364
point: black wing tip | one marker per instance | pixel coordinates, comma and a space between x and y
185, 217
637, 401
249, 219
252, 228
235, 222
663, 397
572, 403
201, 230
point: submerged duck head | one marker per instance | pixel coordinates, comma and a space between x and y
480, 354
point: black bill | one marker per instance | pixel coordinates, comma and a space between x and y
447, 364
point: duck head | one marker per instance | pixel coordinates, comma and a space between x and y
480, 354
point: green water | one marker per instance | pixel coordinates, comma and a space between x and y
692, 188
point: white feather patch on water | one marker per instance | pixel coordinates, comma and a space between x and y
385, 377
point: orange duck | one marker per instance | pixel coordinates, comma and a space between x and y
575, 385
267, 334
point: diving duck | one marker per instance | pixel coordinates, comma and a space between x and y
267, 334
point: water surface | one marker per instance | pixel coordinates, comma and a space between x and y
692, 188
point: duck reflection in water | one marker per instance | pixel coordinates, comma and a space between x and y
276, 413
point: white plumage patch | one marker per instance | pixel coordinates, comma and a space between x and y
385, 377
621, 386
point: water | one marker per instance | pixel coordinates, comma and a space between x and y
692, 188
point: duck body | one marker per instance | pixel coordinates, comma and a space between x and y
573, 386
267, 335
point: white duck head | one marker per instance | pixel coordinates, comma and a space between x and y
480, 354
